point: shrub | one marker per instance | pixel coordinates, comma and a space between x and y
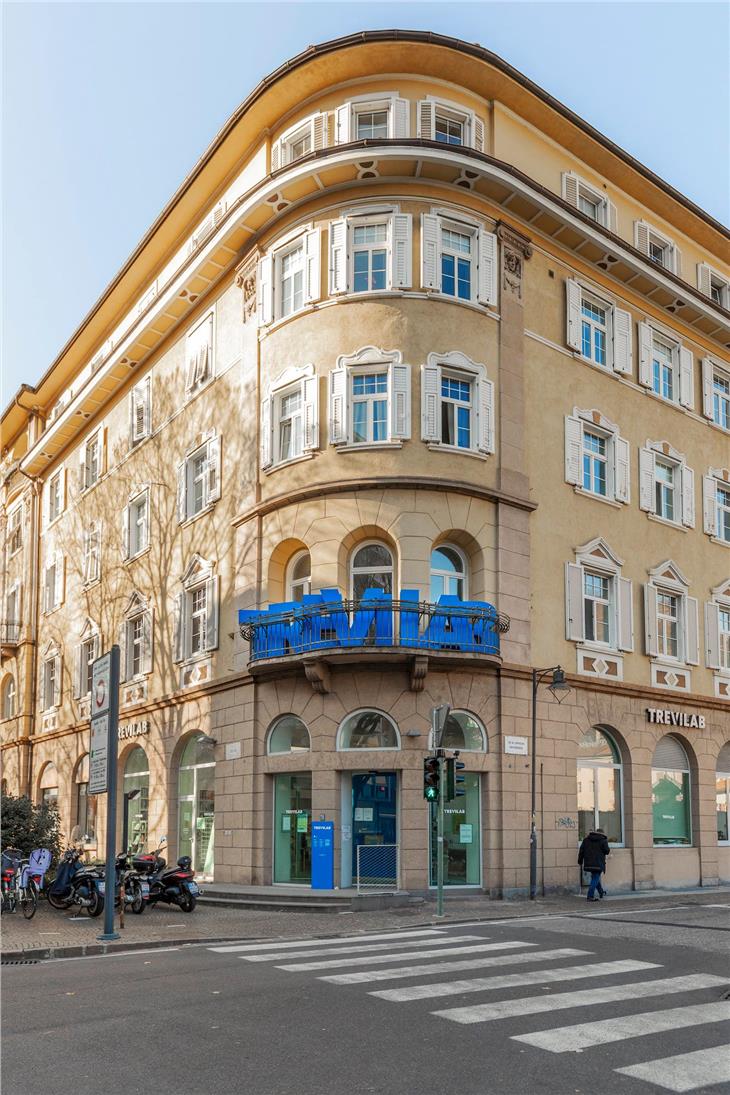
25, 826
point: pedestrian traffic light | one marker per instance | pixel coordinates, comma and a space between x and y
453, 766
431, 779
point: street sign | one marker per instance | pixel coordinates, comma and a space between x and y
101, 673
517, 746
99, 755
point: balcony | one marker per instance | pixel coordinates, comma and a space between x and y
323, 629
9, 634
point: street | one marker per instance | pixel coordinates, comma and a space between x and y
609, 999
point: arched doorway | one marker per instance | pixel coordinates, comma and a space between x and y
136, 778
196, 804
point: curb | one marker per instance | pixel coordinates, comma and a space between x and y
89, 950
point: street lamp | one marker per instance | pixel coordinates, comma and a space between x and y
559, 688
128, 796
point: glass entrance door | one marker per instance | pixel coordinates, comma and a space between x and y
196, 805
375, 824
292, 820
462, 843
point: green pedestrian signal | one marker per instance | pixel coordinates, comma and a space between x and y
431, 779
454, 766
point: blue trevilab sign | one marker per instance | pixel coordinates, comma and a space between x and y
324, 621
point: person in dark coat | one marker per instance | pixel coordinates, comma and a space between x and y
592, 857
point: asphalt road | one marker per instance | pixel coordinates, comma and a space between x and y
609, 1001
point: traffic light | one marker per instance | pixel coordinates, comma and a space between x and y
453, 766
431, 779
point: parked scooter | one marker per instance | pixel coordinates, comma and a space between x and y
171, 885
135, 888
76, 883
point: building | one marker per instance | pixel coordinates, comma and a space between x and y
409, 326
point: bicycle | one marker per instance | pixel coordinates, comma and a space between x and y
17, 886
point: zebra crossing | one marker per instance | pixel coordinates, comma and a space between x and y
420, 960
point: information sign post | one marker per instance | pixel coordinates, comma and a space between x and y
103, 765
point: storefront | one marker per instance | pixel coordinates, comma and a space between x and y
136, 795
196, 804
292, 827
462, 836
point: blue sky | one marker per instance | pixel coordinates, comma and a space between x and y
107, 106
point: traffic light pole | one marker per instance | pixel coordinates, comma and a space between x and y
440, 837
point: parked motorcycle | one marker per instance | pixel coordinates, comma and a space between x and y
135, 888
76, 883
171, 885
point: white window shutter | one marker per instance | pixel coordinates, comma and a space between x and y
312, 246
622, 469
265, 291
686, 377
646, 353
708, 380
651, 622
180, 625
319, 131
431, 403
400, 402
82, 471
429, 251
399, 118
213, 479
62, 486
485, 410
574, 624
78, 661
704, 278
487, 267
266, 431
641, 237
148, 631
212, 596
102, 454
57, 682
709, 504
125, 532
338, 256
611, 217
676, 260
570, 188
712, 635
573, 450
310, 393
646, 480
688, 496
276, 156
426, 120
338, 407
123, 653
343, 115
478, 139
182, 500
625, 614
401, 276
692, 630
60, 579
622, 348
573, 296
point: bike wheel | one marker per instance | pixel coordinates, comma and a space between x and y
187, 902
29, 902
96, 908
137, 905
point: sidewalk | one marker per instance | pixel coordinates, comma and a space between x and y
55, 934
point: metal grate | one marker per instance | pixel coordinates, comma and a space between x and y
378, 868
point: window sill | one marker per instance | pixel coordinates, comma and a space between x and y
12, 554
605, 366
667, 523
91, 582
599, 497
195, 517
190, 393
437, 446
719, 426
663, 399
288, 463
722, 543
53, 520
673, 847
368, 446
139, 555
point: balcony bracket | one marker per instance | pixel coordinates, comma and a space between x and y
419, 669
318, 675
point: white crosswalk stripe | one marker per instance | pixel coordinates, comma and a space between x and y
533, 1005
508, 981
360, 948
456, 967
228, 948
370, 959
583, 1035
685, 1071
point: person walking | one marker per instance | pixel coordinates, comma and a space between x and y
592, 857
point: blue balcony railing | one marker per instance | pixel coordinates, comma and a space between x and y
324, 621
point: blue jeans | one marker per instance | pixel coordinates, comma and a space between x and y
595, 885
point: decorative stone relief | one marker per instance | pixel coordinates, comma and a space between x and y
246, 282
516, 248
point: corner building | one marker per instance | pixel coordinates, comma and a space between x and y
417, 383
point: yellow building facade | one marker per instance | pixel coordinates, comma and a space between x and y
411, 326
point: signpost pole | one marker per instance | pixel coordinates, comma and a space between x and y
440, 838
112, 701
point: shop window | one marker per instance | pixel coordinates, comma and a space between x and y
292, 822
85, 803
462, 836
8, 698
136, 778
722, 794
196, 803
371, 567
299, 576
670, 793
463, 731
48, 786
448, 573
288, 735
600, 786
368, 730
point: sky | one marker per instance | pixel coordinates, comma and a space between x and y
107, 106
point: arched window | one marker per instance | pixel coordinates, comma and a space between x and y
368, 730
371, 568
288, 735
85, 803
670, 793
600, 786
48, 785
463, 731
723, 794
448, 573
8, 702
299, 576
136, 778
196, 803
